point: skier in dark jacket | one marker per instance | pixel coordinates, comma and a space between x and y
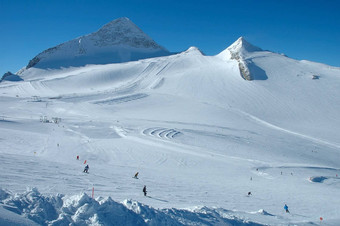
86, 170
144, 190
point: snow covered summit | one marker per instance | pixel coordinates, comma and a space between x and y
240, 50
118, 41
241, 45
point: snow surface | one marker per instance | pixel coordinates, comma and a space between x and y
200, 136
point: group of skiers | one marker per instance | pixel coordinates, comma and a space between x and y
86, 170
144, 188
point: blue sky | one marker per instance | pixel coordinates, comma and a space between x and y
302, 29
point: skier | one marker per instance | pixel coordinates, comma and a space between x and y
136, 175
86, 170
286, 208
144, 190
249, 193
77, 157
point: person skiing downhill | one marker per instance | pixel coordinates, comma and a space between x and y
86, 170
144, 190
136, 175
286, 208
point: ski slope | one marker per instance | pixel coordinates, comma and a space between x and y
200, 136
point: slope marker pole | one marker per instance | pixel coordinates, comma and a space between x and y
92, 192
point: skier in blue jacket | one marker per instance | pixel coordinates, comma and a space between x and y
286, 208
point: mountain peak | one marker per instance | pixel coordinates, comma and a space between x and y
123, 31
241, 45
117, 41
193, 49
238, 51
122, 21
9, 76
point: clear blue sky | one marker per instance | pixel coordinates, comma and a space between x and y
302, 29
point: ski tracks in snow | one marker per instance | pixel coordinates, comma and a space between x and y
162, 133
267, 124
165, 140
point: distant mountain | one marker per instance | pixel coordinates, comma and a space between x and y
9, 76
118, 41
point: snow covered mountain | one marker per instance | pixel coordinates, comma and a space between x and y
202, 131
118, 41
239, 51
9, 76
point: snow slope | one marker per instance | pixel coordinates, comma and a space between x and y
199, 133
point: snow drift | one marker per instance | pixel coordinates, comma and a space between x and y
83, 210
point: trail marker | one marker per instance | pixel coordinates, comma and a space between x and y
93, 193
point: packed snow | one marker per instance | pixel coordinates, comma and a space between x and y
200, 135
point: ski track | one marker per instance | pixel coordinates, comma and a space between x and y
260, 121
122, 99
163, 133
168, 144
